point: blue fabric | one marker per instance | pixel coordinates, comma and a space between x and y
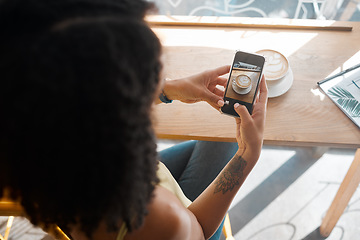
195, 164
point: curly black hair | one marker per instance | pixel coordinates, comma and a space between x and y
78, 78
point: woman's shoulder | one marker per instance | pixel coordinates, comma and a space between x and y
167, 219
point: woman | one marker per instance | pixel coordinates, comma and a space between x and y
79, 78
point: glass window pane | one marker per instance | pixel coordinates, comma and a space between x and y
345, 10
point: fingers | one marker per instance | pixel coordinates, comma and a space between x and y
263, 91
214, 99
222, 81
217, 106
207, 83
222, 70
262, 98
218, 92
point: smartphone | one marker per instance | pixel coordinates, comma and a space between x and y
242, 87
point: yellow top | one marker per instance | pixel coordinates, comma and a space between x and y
167, 181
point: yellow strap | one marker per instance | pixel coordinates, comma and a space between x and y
8, 227
122, 232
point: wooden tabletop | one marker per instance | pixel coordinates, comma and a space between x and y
301, 117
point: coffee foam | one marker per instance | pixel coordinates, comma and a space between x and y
239, 90
276, 65
243, 81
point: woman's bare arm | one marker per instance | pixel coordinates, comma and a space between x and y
211, 206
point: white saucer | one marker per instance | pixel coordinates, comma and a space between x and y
240, 90
279, 87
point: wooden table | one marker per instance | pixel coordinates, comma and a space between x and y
301, 117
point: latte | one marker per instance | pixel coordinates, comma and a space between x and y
241, 84
276, 64
243, 81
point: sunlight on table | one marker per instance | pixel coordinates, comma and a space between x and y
248, 40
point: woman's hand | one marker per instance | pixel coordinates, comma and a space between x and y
199, 87
250, 128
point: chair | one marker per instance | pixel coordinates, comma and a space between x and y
227, 228
318, 6
12, 209
324, 9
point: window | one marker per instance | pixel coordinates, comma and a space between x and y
344, 10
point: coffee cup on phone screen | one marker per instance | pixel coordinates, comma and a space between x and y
242, 84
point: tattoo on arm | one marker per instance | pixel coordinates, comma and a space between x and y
231, 175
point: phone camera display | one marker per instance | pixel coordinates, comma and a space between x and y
243, 80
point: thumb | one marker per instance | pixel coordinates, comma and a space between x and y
243, 113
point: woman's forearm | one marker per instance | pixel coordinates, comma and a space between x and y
211, 206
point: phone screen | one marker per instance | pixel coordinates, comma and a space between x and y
244, 78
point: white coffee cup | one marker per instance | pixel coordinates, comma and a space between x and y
276, 64
242, 84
